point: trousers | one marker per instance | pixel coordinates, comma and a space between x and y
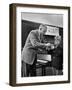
28, 70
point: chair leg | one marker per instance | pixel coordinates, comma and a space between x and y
43, 71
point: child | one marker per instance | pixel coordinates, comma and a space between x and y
57, 56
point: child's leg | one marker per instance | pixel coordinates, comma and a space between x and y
54, 71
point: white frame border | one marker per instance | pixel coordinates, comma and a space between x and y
64, 77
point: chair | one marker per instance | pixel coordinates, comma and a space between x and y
43, 61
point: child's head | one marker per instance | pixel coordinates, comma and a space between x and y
57, 40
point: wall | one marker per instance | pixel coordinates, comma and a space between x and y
51, 19
4, 45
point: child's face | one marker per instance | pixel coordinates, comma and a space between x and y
57, 41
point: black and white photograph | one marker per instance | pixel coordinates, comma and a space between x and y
40, 45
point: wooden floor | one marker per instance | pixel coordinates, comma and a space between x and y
48, 71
